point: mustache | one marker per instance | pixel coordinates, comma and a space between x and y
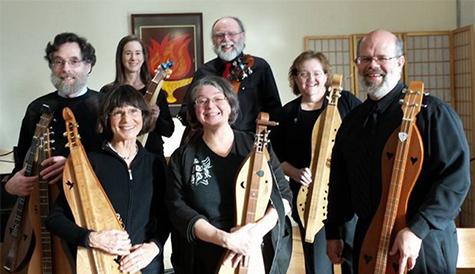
374, 71
226, 44
64, 75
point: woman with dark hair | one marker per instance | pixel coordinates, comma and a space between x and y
134, 181
132, 68
200, 190
310, 77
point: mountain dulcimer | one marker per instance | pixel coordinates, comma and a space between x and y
161, 73
19, 244
253, 190
88, 202
312, 199
50, 255
401, 164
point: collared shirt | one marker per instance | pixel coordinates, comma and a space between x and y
356, 173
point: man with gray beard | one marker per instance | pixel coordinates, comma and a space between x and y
428, 243
71, 59
256, 87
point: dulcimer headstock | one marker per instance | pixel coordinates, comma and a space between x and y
412, 102
43, 132
163, 72
71, 128
335, 89
262, 134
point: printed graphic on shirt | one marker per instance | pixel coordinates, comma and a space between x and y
200, 173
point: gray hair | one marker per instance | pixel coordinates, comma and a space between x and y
221, 84
238, 21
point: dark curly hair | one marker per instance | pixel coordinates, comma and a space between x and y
88, 52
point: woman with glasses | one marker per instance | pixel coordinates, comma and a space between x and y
200, 190
134, 181
132, 68
310, 78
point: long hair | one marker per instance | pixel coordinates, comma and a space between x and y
119, 66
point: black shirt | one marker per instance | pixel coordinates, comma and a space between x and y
355, 179
164, 125
257, 92
292, 138
85, 109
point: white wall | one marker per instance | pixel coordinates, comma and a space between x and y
275, 31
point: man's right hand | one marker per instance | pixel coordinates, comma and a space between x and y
21, 185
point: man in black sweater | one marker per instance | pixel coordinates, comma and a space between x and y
71, 59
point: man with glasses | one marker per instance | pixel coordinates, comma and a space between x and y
254, 80
71, 59
428, 244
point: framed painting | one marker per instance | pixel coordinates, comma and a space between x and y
176, 37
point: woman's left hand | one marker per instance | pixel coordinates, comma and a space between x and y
155, 111
140, 256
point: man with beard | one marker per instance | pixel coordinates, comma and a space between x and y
429, 242
70, 59
257, 91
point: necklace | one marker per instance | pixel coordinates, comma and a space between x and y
131, 156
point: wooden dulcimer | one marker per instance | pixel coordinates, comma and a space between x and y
50, 255
312, 199
88, 202
401, 164
19, 232
253, 190
161, 73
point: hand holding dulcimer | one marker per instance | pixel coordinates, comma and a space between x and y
252, 192
312, 199
88, 202
19, 231
401, 164
50, 256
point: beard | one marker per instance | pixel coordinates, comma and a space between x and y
68, 89
377, 90
231, 55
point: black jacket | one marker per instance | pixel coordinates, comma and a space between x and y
137, 195
183, 216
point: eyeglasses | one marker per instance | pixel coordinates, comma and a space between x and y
306, 74
221, 35
74, 63
367, 59
119, 113
202, 101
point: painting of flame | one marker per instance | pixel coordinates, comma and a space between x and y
176, 38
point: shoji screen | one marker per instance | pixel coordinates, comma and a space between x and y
443, 60
338, 51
